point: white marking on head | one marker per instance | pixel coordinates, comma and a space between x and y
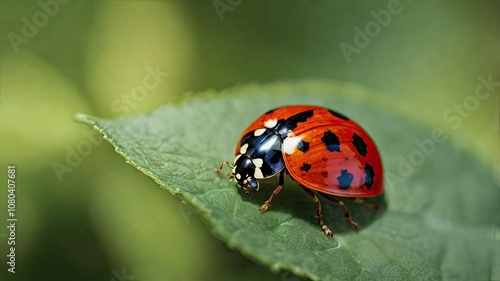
270, 123
245, 182
290, 144
258, 173
258, 162
259, 132
238, 176
243, 148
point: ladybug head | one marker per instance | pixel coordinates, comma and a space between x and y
243, 172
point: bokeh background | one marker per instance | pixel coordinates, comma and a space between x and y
84, 214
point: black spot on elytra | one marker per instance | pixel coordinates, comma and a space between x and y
292, 122
324, 159
369, 175
324, 174
338, 115
359, 144
305, 167
275, 158
303, 146
331, 141
345, 179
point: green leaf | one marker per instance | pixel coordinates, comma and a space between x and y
440, 206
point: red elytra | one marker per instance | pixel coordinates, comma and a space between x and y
320, 149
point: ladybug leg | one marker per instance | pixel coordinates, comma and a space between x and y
347, 214
321, 223
229, 164
360, 201
264, 207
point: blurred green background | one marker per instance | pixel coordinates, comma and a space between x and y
84, 214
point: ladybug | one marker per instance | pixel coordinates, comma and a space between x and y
320, 149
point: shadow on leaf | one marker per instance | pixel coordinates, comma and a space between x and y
294, 201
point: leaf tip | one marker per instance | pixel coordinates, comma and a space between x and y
83, 118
